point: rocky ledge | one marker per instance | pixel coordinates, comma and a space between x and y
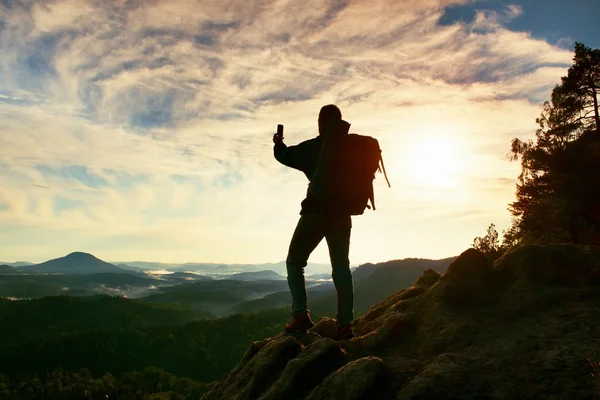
522, 327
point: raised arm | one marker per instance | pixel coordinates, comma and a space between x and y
290, 156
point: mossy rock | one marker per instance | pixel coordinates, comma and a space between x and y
306, 371
553, 264
249, 380
364, 379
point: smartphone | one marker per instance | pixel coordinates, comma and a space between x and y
279, 130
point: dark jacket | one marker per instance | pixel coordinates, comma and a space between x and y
303, 157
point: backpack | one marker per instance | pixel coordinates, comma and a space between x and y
356, 162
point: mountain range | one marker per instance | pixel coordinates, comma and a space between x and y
82, 274
267, 275
16, 264
85, 263
80, 262
74, 263
218, 270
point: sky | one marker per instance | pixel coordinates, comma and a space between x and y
141, 130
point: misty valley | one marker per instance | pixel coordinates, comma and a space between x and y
190, 323
201, 291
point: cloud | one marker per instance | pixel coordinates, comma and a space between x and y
149, 124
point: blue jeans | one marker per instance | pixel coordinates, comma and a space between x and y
311, 229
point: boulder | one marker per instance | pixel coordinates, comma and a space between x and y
306, 371
324, 327
470, 281
436, 381
552, 264
306, 338
250, 379
428, 278
364, 379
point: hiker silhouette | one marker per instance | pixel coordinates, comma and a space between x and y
320, 217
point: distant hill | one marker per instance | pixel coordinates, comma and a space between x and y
16, 264
75, 263
363, 271
168, 275
284, 299
220, 297
128, 267
28, 285
7, 270
375, 282
267, 275
186, 276
270, 301
315, 277
218, 270
389, 277
372, 283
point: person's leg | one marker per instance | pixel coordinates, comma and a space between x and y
338, 241
307, 236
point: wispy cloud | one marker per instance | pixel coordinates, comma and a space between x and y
142, 129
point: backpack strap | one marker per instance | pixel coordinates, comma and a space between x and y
384, 173
371, 192
371, 197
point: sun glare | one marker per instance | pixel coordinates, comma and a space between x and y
435, 162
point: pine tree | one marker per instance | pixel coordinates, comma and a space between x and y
579, 89
558, 189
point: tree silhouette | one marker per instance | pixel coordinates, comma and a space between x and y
490, 243
558, 193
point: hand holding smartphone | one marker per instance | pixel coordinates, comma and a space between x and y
278, 137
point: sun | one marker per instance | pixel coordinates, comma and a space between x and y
435, 161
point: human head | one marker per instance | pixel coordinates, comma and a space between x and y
327, 112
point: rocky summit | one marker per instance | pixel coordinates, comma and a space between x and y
523, 327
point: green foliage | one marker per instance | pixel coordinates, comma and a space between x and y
558, 194
273, 300
230, 292
112, 335
21, 284
49, 317
8, 270
490, 244
50, 333
150, 382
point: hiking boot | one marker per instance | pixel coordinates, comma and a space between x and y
300, 323
343, 332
